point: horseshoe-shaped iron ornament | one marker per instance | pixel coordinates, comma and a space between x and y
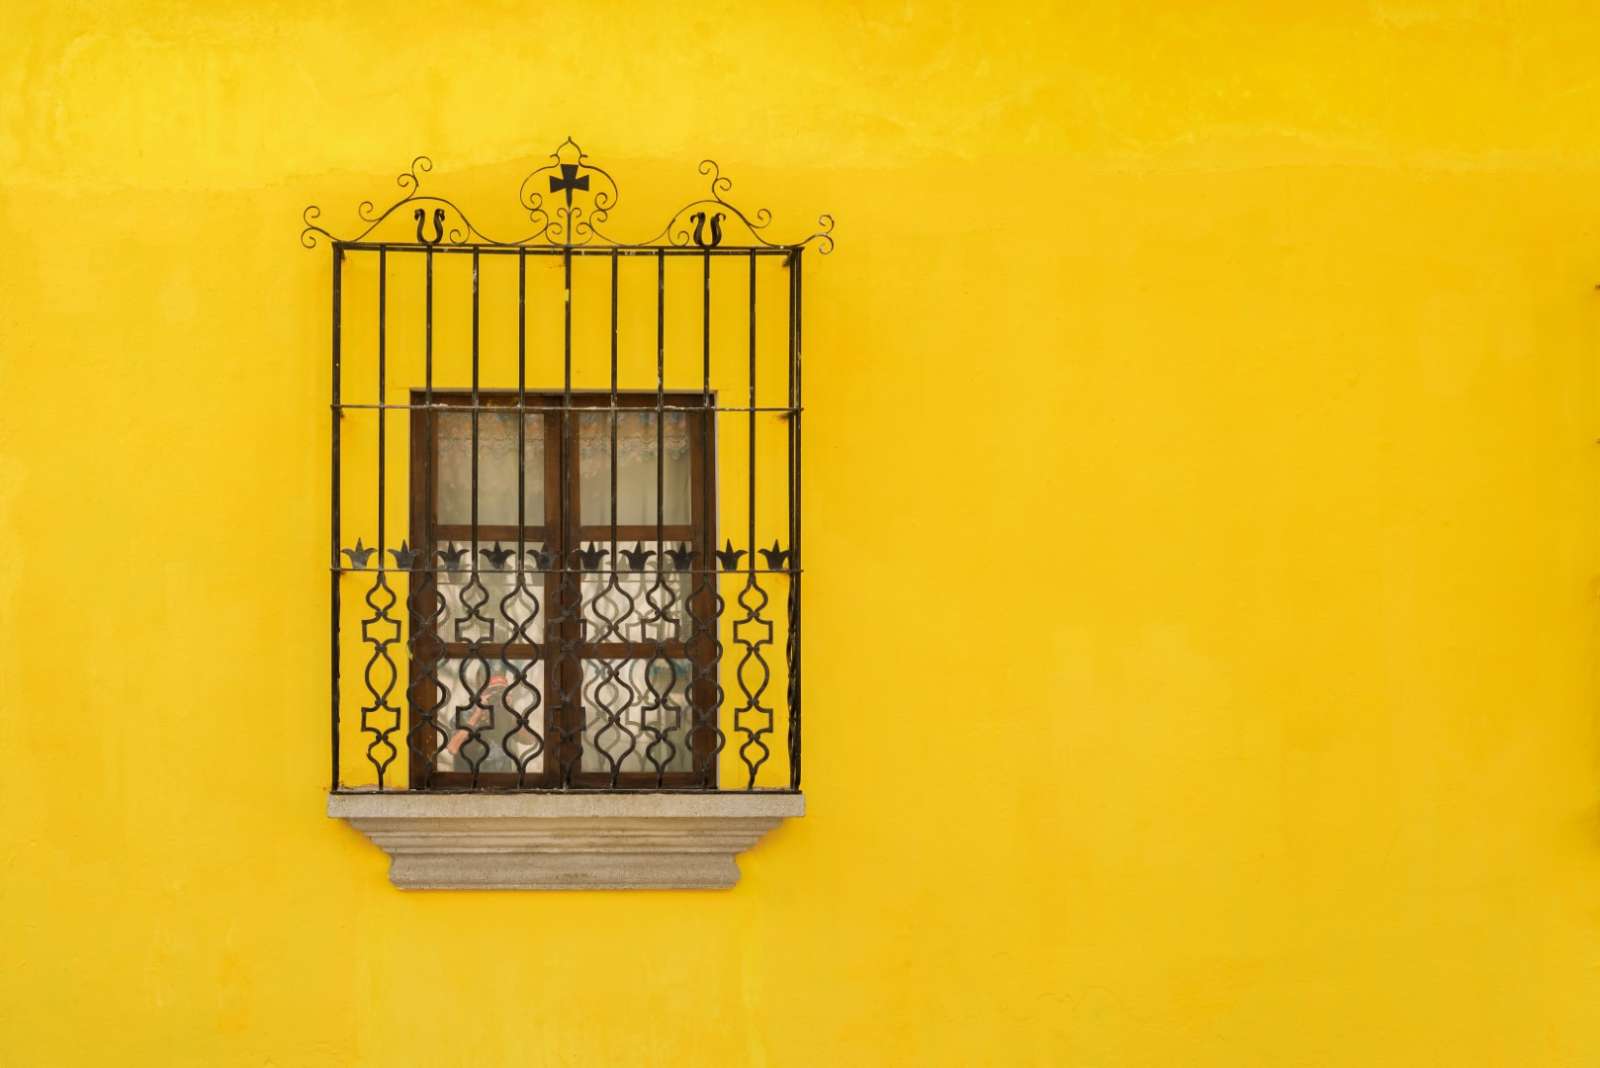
438, 226
699, 218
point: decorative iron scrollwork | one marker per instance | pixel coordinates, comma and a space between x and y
438, 226
699, 218
568, 200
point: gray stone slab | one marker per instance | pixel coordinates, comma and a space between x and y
564, 841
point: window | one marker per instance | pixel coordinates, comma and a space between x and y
571, 632
565, 559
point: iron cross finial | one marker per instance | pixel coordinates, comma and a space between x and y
568, 181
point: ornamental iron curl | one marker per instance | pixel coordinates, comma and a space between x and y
567, 200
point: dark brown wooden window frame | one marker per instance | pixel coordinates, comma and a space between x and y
564, 647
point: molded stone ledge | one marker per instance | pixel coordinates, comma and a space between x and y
564, 841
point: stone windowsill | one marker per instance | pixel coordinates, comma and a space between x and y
565, 841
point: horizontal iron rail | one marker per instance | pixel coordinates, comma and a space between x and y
729, 572
650, 788
574, 250
504, 408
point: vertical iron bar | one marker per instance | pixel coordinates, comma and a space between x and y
474, 587
430, 557
383, 318
657, 614
611, 588
427, 336
661, 363
515, 630
381, 701
753, 605
522, 397
708, 541
475, 403
338, 306
661, 400
752, 471
614, 412
796, 492
576, 629
427, 389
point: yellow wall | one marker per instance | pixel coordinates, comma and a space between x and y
1201, 536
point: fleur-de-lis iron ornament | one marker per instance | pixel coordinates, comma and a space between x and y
453, 557
590, 558
497, 556
404, 557
776, 557
359, 555
682, 557
637, 556
587, 196
729, 557
544, 559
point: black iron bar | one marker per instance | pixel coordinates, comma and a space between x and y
522, 397
383, 363
574, 627
475, 410
473, 595
795, 494
428, 405
338, 304
430, 714
515, 629
752, 472
380, 651
799, 527
556, 569
566, 251
613, 413
770, 409
708, 540
611, 585
659, 614
651, 788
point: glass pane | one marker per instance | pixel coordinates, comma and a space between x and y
638, 606
636, 468
497, 469
485, 732
492, 609
636, 713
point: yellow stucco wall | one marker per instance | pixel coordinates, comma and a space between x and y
1202, 536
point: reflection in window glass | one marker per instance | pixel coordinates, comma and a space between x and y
478, 725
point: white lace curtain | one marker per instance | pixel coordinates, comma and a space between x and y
497, 468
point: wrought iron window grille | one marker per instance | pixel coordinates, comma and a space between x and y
524, 634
